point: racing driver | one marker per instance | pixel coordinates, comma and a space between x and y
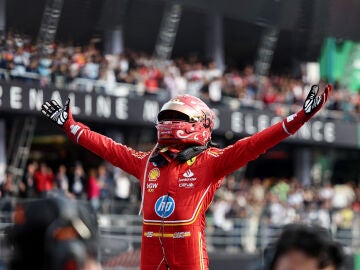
180, 175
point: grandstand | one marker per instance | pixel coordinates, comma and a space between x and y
252, 62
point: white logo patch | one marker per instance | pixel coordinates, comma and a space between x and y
74, 129
188, 179
290, 117
188, 174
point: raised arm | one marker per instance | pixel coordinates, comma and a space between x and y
247, 149
118, 154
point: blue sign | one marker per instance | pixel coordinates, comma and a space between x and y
164, 206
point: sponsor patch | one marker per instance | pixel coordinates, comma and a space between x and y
164, 206
290, 117
187, 176
174, 235
186, 185
151, 187
154, 174
74, 129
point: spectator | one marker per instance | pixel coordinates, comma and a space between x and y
281, 189
44, 179
7, 188
326, 192
93, 190
106, 184
91, 68
152, 80
20, 61
277, 212
123, 66
53, 233
122, 187
344, 219
107, 79
302, 247
174, 82
324, 219
62, 180
220, 209
344, 196
44, 69
27, 185
77, 184
295, 197
256, 197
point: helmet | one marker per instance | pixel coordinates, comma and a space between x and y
185, 119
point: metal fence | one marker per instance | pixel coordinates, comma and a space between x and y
243, 237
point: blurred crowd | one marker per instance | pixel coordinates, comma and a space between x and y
106, 189
263, 206
250, 209
87, 68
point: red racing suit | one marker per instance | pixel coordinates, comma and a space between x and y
177, 195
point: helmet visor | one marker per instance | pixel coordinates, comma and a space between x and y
171, 115
180, 112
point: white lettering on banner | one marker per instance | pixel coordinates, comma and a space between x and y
316, 126
263, 122
317, 131
329, 132
36, 98
88, 104
15, 97
151, 109
248, 123
74, 109
103, 106
1, 93
217, 118
244, 122
237, 122
304, 132
121, 108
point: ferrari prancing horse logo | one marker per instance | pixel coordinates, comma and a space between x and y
191, 161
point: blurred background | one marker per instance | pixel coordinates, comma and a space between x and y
251, 61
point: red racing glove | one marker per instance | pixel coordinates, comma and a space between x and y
312, 105
62, 117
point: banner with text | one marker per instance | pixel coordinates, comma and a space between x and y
25, 99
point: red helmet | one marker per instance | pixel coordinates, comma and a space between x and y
185, 119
